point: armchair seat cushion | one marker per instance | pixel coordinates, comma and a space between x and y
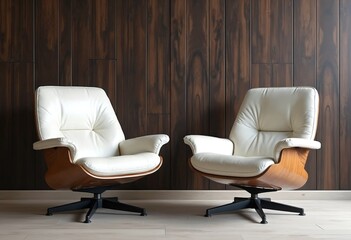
120, 165
229, 165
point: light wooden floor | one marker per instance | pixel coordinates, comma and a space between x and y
180, 219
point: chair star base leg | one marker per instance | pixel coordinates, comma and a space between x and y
92, 204
281, 207
256, 203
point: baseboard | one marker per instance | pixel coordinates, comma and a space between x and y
173, 195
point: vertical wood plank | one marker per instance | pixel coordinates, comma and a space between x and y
5, 30
261, 68
197, 77
281, 31
6, 73
178, 95
217, 72
237, 72
158, 59
122, 57
159, 123
102, 75
328, 86
197, 66
137, 85
345, 94
46, 42
305, 42
271, 75
261, 31
131, 76
272, 43
65, 41
158, 83
282, 75
304, 71
261, 75
237, 57
23, 125
217, 67
22, 30
132, 72
81, 41
77, 42
103, 29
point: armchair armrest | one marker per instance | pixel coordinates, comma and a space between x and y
295, 142
55, 142
201, 143
149, 143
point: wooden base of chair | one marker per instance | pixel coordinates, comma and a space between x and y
254, 202
288, 173
94, 203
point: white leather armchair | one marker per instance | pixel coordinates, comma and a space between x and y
85, 148
266, 150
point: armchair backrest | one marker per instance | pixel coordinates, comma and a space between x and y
82, 115
268, 115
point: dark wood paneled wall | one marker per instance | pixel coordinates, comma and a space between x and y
177, 67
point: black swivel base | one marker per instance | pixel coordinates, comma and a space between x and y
254, 202
94, 203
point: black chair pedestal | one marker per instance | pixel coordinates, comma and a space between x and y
92, 204
254, 202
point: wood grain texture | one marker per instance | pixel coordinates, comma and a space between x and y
272, 38
217, 67
179, 67
305, 21
197, 82
261, 75
237, 73
282, 75
82, 46
328, 87
271, 75
103, 29
22, 31
345, 94
65, 44
217, 72
158, 60
281, 34
178, 95
23, 126
159, 123
261, 31
5, 30
122, 57
304, 67
237, 58
179, 218
102, 74
46, 47
6, 73
158, 83
132, 74
288, 173
59, 166
137, 79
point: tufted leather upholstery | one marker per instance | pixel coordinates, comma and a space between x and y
269, 115
269, 120
83, 120
85, 149
267, 148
